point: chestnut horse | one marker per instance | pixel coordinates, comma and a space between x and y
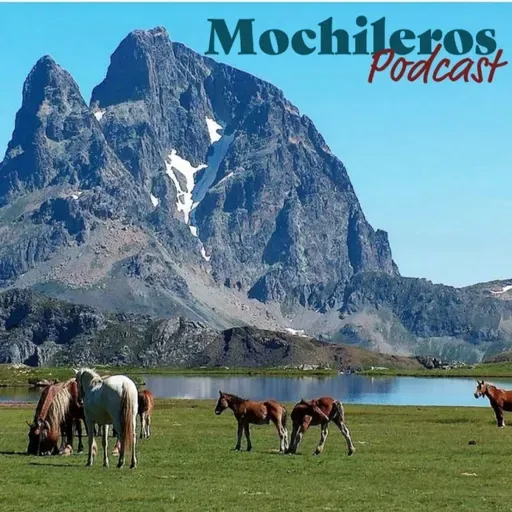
56, 412
500, 399
318, 412
257, 413
145, 410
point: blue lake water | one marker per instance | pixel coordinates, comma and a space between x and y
356, 389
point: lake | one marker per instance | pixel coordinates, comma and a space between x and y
357, 389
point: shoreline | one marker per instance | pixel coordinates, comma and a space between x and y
164, 403
14, 376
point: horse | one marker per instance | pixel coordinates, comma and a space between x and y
109, 401
257, 413
500, 399
145, 410
57, 411
319, 411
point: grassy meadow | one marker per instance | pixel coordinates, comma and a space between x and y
482, 370
407, 459
11, 375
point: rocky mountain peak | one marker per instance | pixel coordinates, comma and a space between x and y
56, 140
140, 65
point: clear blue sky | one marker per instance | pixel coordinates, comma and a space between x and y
431, 164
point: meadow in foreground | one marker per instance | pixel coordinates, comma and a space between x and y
407, 458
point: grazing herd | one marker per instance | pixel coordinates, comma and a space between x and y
114, 400
97, 401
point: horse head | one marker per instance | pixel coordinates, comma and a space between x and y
222, 403
84, 377
481, 389
37, 437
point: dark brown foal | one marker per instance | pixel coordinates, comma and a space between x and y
320, 411
257, 413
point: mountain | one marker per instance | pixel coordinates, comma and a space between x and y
188, 188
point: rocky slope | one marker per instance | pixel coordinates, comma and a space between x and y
188, 188
39, 331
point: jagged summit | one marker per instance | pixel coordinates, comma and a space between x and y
141, 62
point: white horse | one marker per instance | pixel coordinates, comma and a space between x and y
109, 401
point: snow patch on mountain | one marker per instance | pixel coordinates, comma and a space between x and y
190, 194
296, 332
505, 289
225, 178
203, 253
213, 130
99, 114
220, 148
175, 164
154, 200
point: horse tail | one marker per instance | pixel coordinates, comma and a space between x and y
339, 410
127, 408
284, 416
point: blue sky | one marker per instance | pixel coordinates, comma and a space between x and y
431, 163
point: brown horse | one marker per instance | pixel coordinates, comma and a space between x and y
57, 411
318, 412
257, 413
145, 410
500, 399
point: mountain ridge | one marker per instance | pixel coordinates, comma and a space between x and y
190, 188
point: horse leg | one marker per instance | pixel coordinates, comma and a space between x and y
64, 432
122, 447
239, 436
79, 433
69, 436
148, 426
323, 437
499, 417
104, 443
291, 445
300, 430
92, 443
248, 437
142, 425
117, 448
346, 434
133, 462
281, 431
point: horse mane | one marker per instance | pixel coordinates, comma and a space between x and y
96, 377
54, 403
235, 398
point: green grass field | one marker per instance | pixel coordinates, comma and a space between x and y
407, 459
11, 376
482, 370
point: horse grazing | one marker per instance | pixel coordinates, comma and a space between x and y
145, 410
501, 400
109, 401
57, 411
257, 413
320, 411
